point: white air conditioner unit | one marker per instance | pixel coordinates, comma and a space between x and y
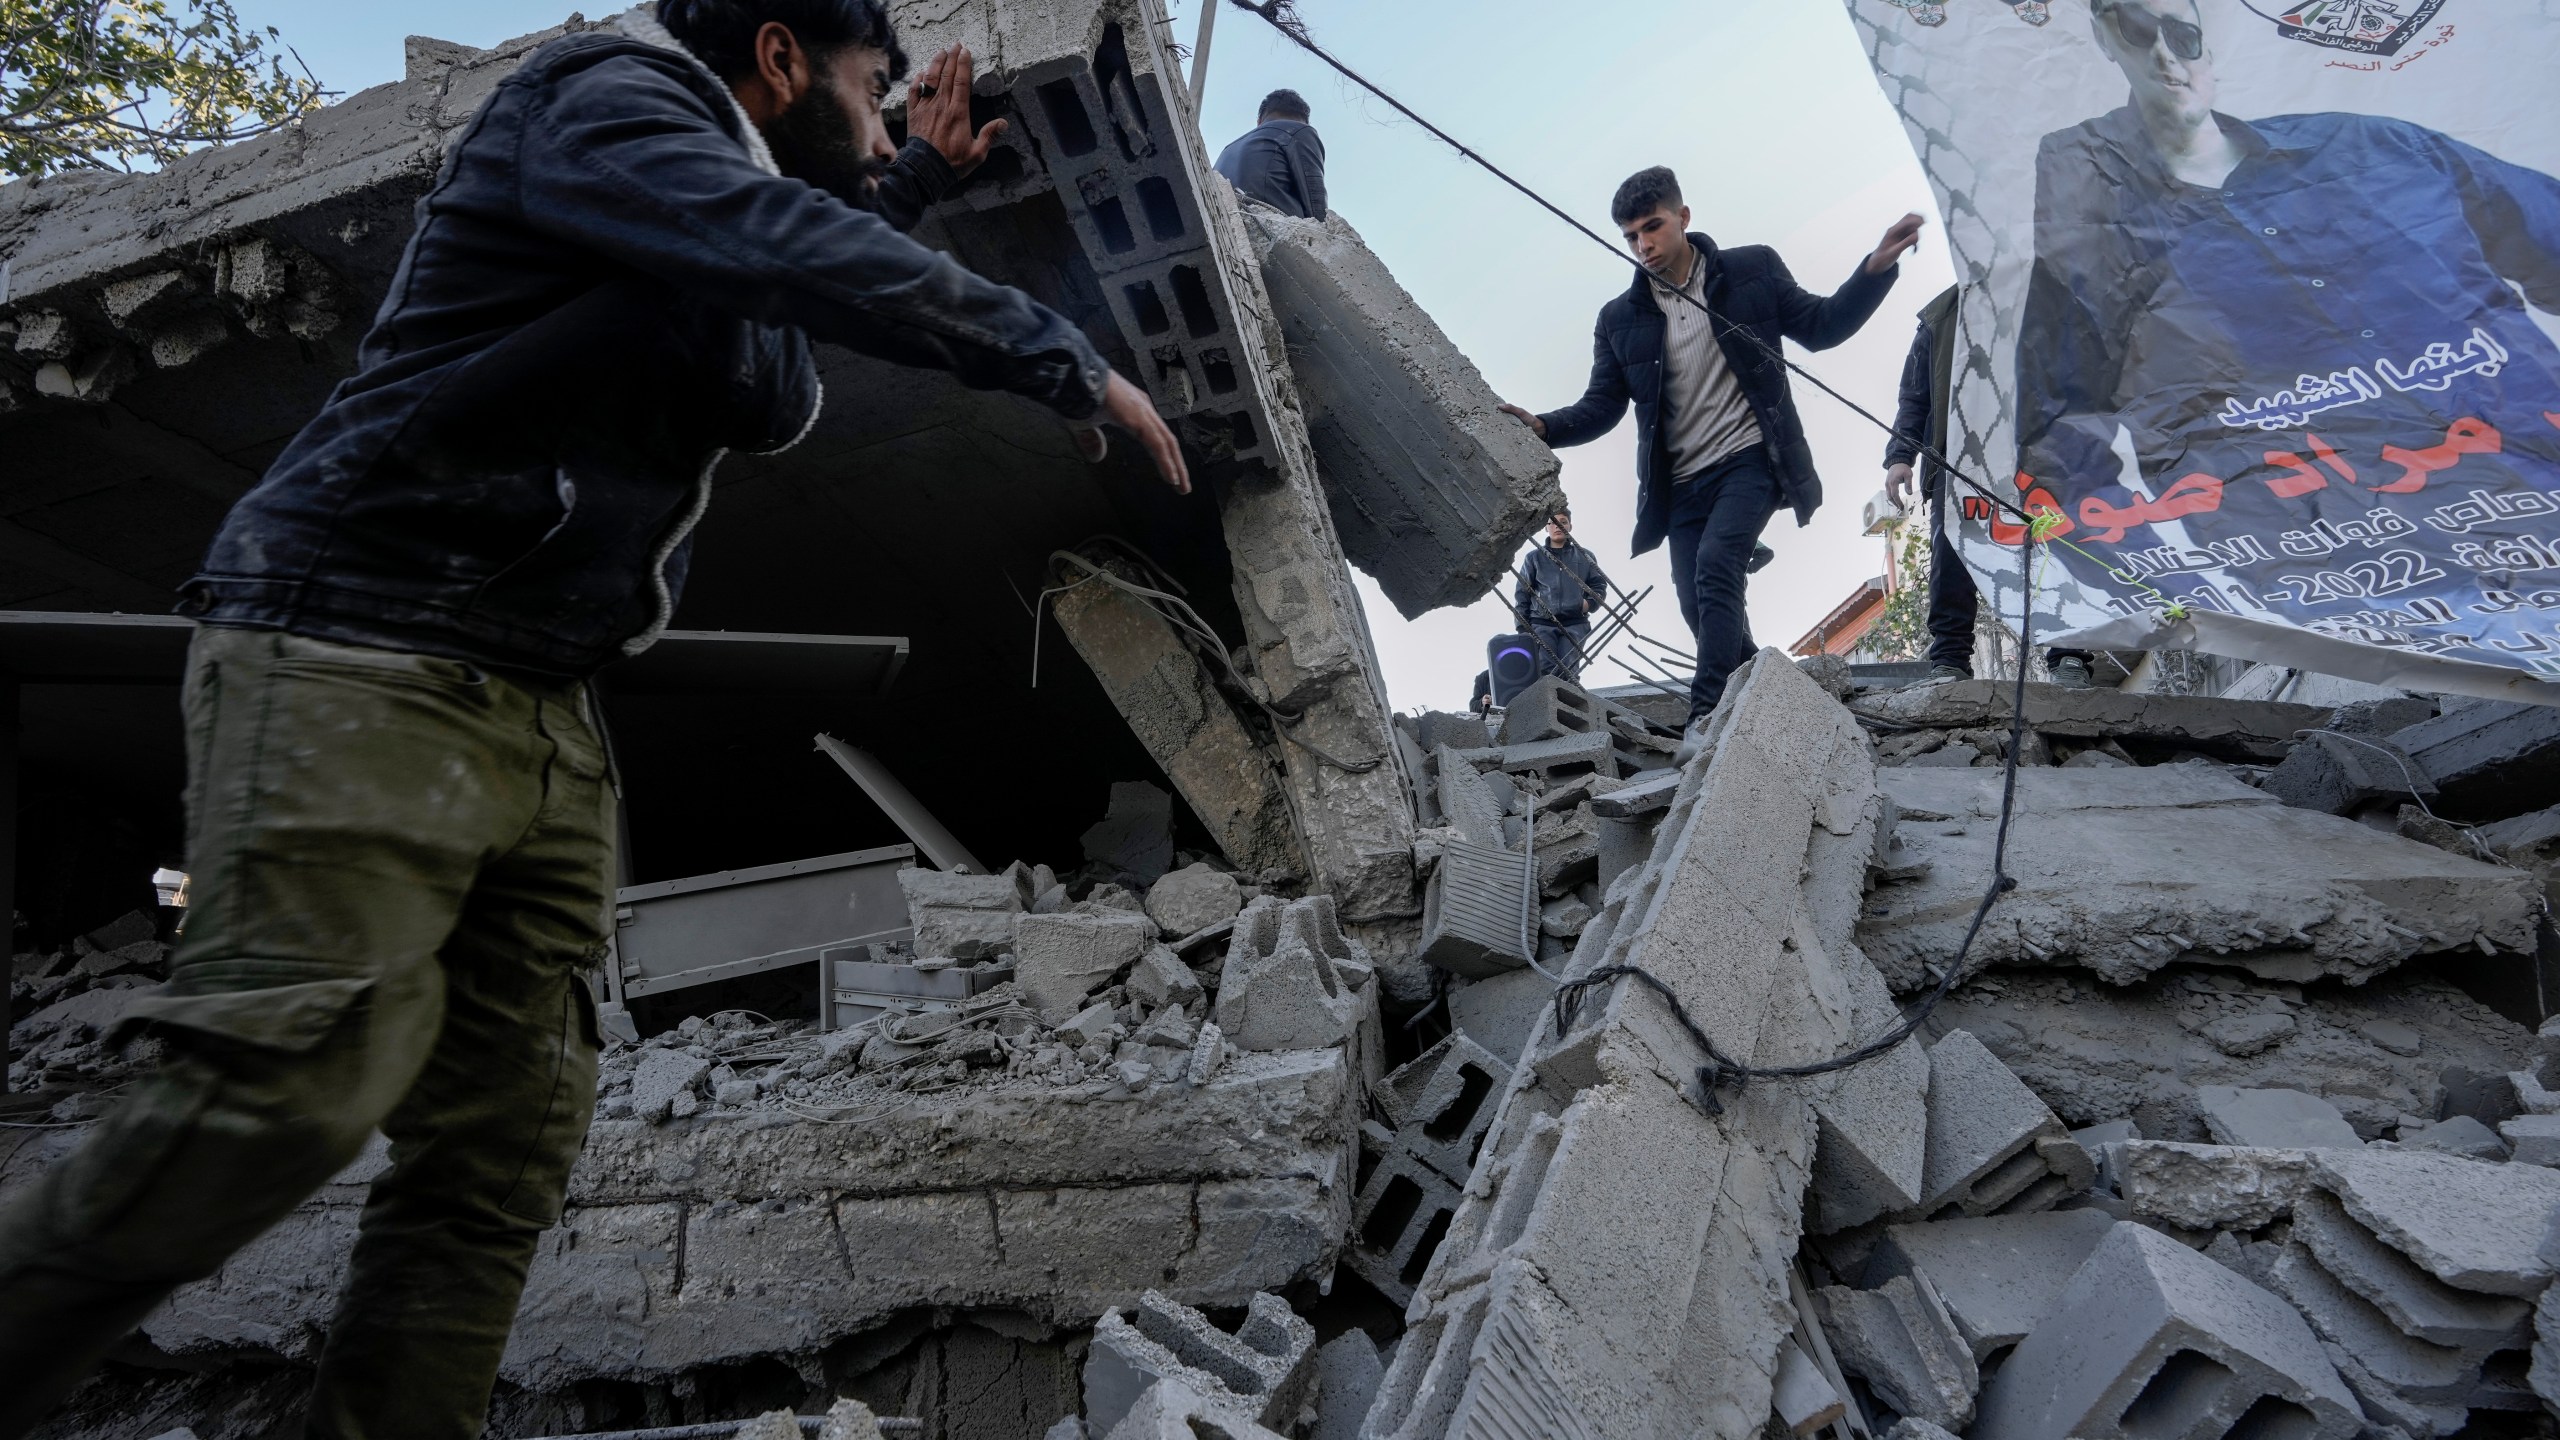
1882, 514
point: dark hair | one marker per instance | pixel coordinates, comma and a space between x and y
722, 33
1286, 104
1647, 190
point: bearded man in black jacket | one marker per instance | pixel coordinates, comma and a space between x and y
400, 810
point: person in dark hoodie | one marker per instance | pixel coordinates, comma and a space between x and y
1280, 161
400, 808
1718, 446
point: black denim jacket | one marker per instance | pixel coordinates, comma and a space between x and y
609, 288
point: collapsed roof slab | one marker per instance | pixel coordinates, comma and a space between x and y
914, 507
1433, 488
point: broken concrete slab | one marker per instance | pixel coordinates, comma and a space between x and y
2474, 1226
2238, 729
2419, 1304
1993, 1147
2457, 1135
1899, 1338
1265, 1369
1190, 900
2488, 758
966, 917
1432, 487
1668, 1319
2535, 1139
1999, 1276
2128, 871
2152, 1339
2273, 1119
2414, 1370
1872, 1155
2209, 1187
1499, 1012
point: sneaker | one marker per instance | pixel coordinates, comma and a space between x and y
1941, 674
2071, 672
1761, 555
1692, 740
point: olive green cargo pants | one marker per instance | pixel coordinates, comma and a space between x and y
399, 871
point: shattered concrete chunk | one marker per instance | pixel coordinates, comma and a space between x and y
1061, 959
966, 917
1872, 1155
2206, 1187
2474, 1226
2152, 1339
2237, 729
2535, 1139
2457, 1135
1999, 1276
2340, 774
2128, 871
2489, 758
2273, 1119
1347, 1374
1190, 900
1498, 1012
1281, 988
2413, 1369
1901, 1341
1265, 1370
664, 1076
1160, 978
1172, 1410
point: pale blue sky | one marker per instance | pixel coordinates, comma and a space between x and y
1767, 110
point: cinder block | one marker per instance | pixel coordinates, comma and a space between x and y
1288, 982
1900, 1339
1473, 912
2418, 1303
1551, 707
2000, 1275
2273, 1119
1061, 959
2209, 1187
1399, 1216
1265, 1370
1172, 1410
1467, 803
2152, 1340
1441, 1103
1871, 1156
1994, 1148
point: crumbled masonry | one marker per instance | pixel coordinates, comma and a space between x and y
1241, 1104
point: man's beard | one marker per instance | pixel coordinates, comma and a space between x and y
813, 140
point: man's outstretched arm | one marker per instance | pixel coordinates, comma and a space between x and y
1603, 402
1818, 322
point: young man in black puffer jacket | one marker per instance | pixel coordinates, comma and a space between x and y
1718, 446
400, 812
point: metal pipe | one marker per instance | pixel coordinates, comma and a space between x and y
938, 844
1200, 54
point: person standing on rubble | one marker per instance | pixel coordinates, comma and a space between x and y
1560, 584
400, 806
1693, 343
1919, 432
1280, 161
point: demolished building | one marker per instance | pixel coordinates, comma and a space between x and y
1353, 1074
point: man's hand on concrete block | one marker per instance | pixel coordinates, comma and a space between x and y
1128, 407
1902, 236
1536, 426
938, 111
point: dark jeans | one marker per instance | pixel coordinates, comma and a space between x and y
1560, 647
1716, 517
1953, 597
399, 868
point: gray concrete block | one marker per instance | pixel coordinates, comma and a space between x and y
1899, 1338
2231, 729
1441, 1103
1871, 1157
2457, 1135
2151, 1340
1190, 900
2173, 861
1135, 835
1983, 1132
2000, 1276
2415, 1370
1061, 959
661, 1076
1476, 919
2474, 1226
1399, 1217
1281, 988
1169, 1409
1467, 804
1160, 978
2535, 1138
1265, 1369
2489, 758
2096, 1139
2209, 1187
1348, 1370
1551, 707
2273, 1119
2387, 1411
2418, 1303
1499, 1012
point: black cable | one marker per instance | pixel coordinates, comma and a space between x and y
1283, 17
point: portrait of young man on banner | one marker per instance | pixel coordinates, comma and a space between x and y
2281, 361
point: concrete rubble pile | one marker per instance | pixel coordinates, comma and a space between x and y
1351, 1084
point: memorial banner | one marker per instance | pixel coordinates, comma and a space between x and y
2261, 306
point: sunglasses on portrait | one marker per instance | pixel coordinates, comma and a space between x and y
2141, 30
